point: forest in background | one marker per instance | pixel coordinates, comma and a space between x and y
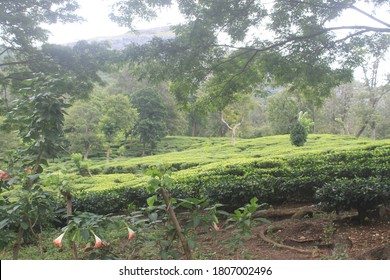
187, 81
110, 114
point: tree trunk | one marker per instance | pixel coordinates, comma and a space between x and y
69, 213
193, 133
18, 241
359, 133
87, 147
233, 129
373, 129
143, 149
173, 217
108, 153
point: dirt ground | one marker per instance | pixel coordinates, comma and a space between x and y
300, 233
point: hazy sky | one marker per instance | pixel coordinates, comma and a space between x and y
98, 24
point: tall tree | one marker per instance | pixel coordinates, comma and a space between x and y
21, 27
151, 125
282, 111
118, 116
374, 55
119, 108
81, 126
125, 83
336, 116
292, 42
234, 114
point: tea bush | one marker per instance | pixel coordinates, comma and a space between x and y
109, 201
235, 177
360, 194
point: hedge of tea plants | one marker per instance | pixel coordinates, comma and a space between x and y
295, 177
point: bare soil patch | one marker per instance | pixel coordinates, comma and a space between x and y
302, 233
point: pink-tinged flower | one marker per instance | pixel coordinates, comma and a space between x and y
216, 227
131, 233
58, 240
98, 242
28, 170
4, 175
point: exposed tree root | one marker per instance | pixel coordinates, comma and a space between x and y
262, 235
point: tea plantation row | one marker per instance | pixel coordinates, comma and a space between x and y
234, 179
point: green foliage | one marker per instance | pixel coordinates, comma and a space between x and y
122, 151
301, 51
282, 109
304, 119
151, 125
243, 219
81, 165
28, 15
197, 211
244, 216
360, 194
119, 115
298, 134
109, 201
39, 117
268, 168
83, 225
26, 209
82, 126
77, 158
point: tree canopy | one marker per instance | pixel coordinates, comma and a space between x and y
21, 24
244, 43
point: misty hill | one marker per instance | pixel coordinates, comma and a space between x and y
138, 37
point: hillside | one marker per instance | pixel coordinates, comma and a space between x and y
191, 156
139, 37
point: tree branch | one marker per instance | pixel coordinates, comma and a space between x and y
4, 51
362, 28
16, 63
223, 120
337, 5
369, 15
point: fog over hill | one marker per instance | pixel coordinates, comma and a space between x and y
138, 37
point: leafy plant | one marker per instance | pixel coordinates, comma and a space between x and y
360, 194
82, 166
298, 134
77, 158
158, 183
243, 219
85, 228
27, 208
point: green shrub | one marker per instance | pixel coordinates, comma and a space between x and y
359, 194
109, 201
77, 158
298, 135
274, 179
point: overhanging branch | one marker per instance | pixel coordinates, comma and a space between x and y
334, 5
24, 62
370, 16
362, 28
